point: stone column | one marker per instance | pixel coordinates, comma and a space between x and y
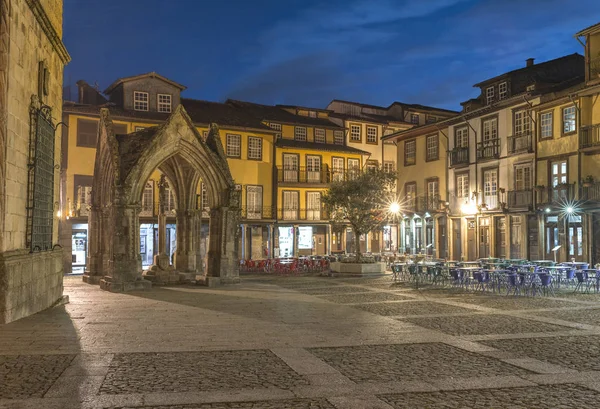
185, 254
223, 251
125, 274
162, 258
271, 239
244, 229
328, 239
295, 237
197, 240
95, 259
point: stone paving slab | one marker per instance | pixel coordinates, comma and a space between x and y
197, 371
412, 308
516, 303
410, 362
484, 325
363, 298
556, 396
584, 316
576, 352
271, 404
338, 289
30, 376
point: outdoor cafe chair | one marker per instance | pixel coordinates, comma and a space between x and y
546, 283
584, 281
513, 282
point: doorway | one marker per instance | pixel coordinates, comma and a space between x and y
471, 243
500, 237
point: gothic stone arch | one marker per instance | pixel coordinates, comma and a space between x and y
123, 165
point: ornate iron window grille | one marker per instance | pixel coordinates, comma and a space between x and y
40, 189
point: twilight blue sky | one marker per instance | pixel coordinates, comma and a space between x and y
308, 52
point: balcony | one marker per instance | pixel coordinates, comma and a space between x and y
307, 175
520, 199
488, 150
459, 157
303, 214
590, 193
520, 143
423, 204
257, 212
589, 137
555, 194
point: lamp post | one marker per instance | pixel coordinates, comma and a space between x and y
394, 209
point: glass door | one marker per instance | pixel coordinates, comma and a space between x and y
338, 169
490, 188
313, 169
290, 205
313, 206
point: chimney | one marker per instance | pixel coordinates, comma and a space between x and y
530, 62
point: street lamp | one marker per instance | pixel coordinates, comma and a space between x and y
395, 208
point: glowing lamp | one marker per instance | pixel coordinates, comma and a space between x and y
395, 208
469, 208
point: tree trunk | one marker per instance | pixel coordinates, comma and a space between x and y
357, 235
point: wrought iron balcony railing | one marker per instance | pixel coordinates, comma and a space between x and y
520, 199
555, 194
423, 204
521, 143
488, 150
303, 214
589, 136
459, 156
257, 212
590, 192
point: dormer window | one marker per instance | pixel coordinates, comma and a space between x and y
502, 91
312, 114
489, 95
140, 101
164, 103
414, 119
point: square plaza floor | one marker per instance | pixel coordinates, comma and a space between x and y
303, 342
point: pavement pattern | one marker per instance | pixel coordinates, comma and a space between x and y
304, 342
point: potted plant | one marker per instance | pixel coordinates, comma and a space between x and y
588, 181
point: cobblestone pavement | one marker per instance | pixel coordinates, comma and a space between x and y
484, 324
412, 308
411, 362
303, 342
580, 353
190, 371
274, 404
555, 396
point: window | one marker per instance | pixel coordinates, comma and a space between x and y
300, 133
559, 173
433, 191
204, 135
490, 131
414, 119
523, 179
164, 103
87, 133
389, 166
148, 199
431, 119
313, 205
290, 205
372, 134
462, 186
338, 137
522, 123
489, 95
546, 125
254, 148
290, 167
140, 101
432, 148
355, 133
312, 114
569, 121
234, 146
313, 169
410, 194
139, 128
84, 199
490, 188
410, 152
353, 167
337, 165
461, 137
204, 197
319, 135
254, 202
502, 91
276, 127
372, 164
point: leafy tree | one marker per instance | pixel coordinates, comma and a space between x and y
362, 200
